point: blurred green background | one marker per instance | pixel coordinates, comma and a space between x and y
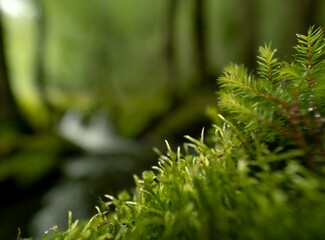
87, 88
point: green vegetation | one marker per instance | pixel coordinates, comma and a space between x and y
258, 174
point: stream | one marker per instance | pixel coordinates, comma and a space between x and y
106, 167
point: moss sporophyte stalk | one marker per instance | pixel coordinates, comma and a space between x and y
260, 177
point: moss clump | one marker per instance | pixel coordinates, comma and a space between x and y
261, 176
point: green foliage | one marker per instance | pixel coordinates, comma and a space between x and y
40, 153
283, 103
260, 177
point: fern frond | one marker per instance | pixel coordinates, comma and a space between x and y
287, 100
310, 50
268, 65
311, 56
236, 80
254, 116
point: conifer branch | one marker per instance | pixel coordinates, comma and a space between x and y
283, 99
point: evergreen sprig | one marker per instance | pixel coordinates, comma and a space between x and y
281, 104
268, 65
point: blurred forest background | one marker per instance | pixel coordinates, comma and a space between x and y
88, 88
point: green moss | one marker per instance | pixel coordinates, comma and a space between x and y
260, 177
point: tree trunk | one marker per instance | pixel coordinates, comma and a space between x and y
41, 59
9, 111
249, 24
170, 49
309, 13
199, 30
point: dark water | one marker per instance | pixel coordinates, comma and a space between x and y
105, 166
